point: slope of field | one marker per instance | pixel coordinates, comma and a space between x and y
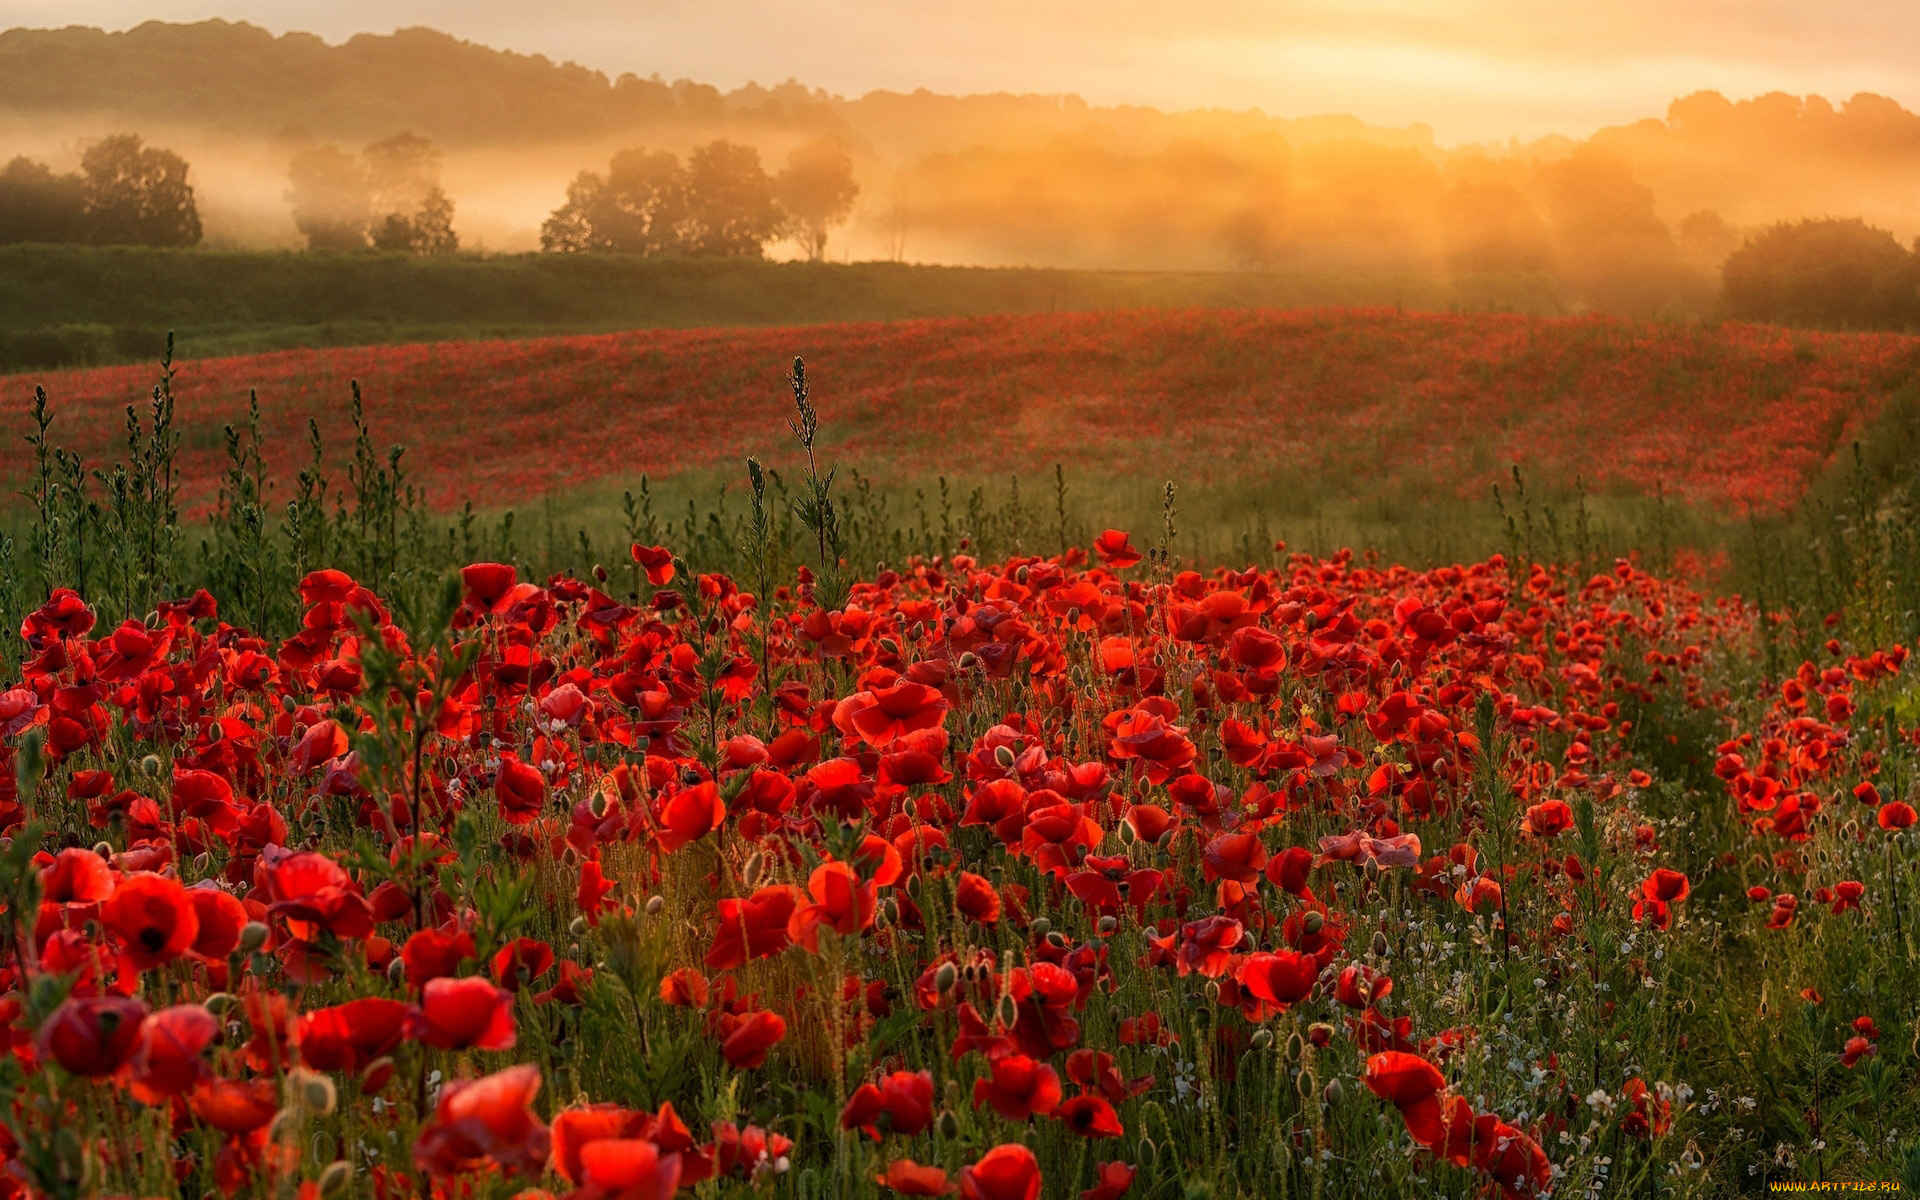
88, 305
1736, 417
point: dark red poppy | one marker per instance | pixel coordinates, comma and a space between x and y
1018, 1087
522, 960
900, 1103
1114, 1180
753, 927
1090, 1117
152, 917
976, 899
1237, 857
1113, 548
167, 1061
689, 815
746, 1045
348, 1036
656, 561
521, 790
76, 876
909, 1178
93, 1035
433, 953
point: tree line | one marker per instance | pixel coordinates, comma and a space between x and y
1833, 273
719, 203
126, 193
387, 197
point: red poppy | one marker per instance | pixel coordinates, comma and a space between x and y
909, 1178
313, 892
521, 791
1237, 857
235, 1106
1018, 1087
1090, 1117
902, 1103
628, 1168
1009, 1172
746, 1046
1114, 551
434, 953
522, 960
842, 901
975, 899
222, 916
348, 1036
1549, 818
152, 917
689, 815
1280, 979
93, 1035
168, 1062
684, 987
1114, 1180
884, 715
485, 584
76, 876
1896, 815
482, 1123
657, 561
461, 1014
753, 927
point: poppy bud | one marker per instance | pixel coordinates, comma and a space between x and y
913, 885
1303, 1084
1333, 1091
150, 766
1295, 1047
1213, 991
201, 862
1379, 944
215, 732
750, 871
943, 979
968, 661
598, 805
655, 905
1261, 1039
1004, 756
1009, 1010
599, 573
218, 1003
1314, 923
315, 1091
103, 850
1148, 1150
284, 1127
577, 927
890, 911
949, 1124
253, 935
1127, 835
1040, 926
889, 645
1107, 925
1020, 576
1057, 940
397, 970
335, 1179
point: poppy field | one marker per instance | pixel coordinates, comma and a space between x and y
1343, 401
341, 861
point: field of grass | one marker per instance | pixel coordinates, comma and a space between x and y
562, 806
74, 305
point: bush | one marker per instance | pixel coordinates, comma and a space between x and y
61, 346
1828, 273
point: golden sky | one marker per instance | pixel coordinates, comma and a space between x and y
1473, 69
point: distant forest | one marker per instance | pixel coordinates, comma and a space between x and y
1639, 218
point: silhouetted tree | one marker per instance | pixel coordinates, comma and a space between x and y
331, 198
135, 194
38, 206
1609, 241
638, 207
731, 210
1830, 272
816, 192
411, 212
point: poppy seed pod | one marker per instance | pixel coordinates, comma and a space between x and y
655, 905
336, 1178
150, 766
1040, 927
253, 935
315, 1091
1261, 1039
943, 979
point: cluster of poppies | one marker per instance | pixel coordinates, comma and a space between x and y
995, 856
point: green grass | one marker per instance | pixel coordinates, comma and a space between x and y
78, 305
